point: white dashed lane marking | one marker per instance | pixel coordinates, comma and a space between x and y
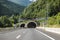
18, 36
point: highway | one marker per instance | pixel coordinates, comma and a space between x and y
29, 34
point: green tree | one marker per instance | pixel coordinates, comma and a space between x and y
39, 9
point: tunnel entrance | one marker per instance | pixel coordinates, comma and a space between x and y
31, 25
22, 25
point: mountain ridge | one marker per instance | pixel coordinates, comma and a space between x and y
9, 8
42, 9
21, 2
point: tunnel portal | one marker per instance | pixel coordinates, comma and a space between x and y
22, 25
31, 25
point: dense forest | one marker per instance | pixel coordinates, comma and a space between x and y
43, 9
9, 13
38, 9
10, 8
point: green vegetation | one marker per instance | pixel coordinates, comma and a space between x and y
10, 8
40, 8
6, 21
37, 9
54, 20
9, 13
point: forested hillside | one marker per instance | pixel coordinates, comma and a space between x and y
9, 13
49, 9
9, 8
40, 8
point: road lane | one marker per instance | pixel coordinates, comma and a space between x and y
34, 35
53, 35
24, 34
12, 35
45, 35
18, 36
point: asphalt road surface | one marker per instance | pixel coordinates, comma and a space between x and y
29, 34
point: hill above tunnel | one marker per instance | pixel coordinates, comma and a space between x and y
40, 8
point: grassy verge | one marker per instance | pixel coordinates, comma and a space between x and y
6, 29
53, 26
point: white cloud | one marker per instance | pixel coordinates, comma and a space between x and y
32, 0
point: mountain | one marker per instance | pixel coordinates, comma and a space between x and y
9, 8
42, 8
21, 2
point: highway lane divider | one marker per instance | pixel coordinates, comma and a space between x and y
18, 36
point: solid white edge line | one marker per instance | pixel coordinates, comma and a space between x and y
18, 36
45, 35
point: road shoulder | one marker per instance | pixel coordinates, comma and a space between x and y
53, 30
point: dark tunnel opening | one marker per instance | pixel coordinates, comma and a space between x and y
31, 25
22, 25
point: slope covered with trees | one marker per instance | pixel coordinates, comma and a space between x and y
9, 13
40, 8
6, 21
54, 20
9, 8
